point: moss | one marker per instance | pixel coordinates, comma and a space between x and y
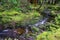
13, 15
49, 35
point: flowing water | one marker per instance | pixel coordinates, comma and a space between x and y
41, 22
11, 35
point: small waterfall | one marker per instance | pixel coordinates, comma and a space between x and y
43, 21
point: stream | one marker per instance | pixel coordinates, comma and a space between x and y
12, 33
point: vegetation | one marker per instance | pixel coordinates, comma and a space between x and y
49, 35
22, 13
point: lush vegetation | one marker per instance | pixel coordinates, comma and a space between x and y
22, 13
55, 35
